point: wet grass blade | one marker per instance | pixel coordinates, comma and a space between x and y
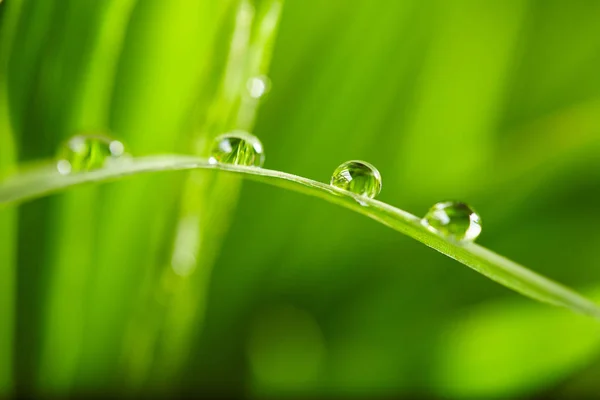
44, 180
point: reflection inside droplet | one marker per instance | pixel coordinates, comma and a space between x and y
237, 148
454, 220
358, 177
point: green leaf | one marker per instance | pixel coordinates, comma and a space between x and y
544, 339
45, 180
8, 218
88, 105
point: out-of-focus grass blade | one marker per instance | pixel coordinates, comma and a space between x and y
74, 218
8, 217
450, 131
159, 333
508, 273
207, 200
165, 50
541, 152
542, 336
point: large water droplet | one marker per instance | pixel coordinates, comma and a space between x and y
454, 220
237, 148
358, 177
258, 86
87, 152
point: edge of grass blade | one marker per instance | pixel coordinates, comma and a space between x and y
44, 180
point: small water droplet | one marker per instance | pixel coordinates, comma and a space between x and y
237, 148
258, 86
454, 220
87, 152
358, 177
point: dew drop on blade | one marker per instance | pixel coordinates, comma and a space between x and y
87, 152
358, 177
237, 148
454, 220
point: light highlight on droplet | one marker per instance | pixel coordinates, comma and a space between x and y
258, 86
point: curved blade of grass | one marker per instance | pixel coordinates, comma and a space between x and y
44, 180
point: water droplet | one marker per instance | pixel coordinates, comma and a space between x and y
237, 148
358, 177
258, 86
87, 152
454, 220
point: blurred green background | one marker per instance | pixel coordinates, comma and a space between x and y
197, 283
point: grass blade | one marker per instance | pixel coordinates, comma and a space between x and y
44, 180
68, 282
8, 218
207, 200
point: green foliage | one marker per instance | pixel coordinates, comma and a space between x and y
46, 180
163, 283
